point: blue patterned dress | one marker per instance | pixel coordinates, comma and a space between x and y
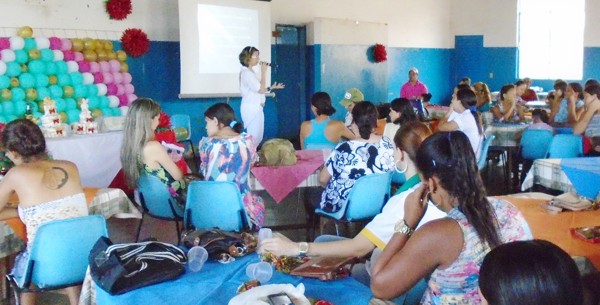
230, 160
351, 160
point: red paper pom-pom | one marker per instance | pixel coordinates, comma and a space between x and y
164, 121
118, 9
135, 42
379, 53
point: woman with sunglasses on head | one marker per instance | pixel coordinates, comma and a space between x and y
253, 91
227, 155
452, 247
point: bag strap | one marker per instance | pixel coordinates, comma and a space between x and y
136, 252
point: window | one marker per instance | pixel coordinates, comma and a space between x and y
551, 39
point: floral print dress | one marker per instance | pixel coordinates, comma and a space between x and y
176, 188
230, 160
351, 160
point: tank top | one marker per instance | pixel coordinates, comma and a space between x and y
316, 139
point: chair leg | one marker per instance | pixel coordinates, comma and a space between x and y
139, 229
178, 229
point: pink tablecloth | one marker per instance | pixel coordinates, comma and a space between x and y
280, 181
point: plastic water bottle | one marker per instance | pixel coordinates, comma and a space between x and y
261, 272
197, 256
263, 234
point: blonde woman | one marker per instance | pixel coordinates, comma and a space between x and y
142, 153
484, 97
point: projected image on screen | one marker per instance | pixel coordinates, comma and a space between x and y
223, 32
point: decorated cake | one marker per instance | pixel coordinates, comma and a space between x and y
52, 126
86, 123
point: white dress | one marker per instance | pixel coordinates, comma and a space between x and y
252, 104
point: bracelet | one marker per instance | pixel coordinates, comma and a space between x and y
268, 89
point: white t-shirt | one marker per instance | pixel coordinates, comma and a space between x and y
249, 86
467, 124
380, 230
390, 131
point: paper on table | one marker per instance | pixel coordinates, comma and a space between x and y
258, 295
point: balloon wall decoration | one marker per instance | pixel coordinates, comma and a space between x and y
66, 70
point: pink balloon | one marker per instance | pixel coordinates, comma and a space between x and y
111, 89
104, 66
4, 43
123, 100
94, 67
84, 66
129, 88
69, 55
115, 65
127, 78
117, 77
66, 44
98, 78
120, 89
79, 56
55, 43
131, 98
108, 78
102, 89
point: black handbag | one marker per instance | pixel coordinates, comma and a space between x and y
120, 268
220, 245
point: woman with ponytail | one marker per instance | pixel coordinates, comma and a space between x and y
452, 247
463, 116
227, 155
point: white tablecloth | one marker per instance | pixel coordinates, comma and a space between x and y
97, 155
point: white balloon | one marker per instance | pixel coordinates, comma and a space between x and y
124, 110
42, 43
72, 66
113, 101
17, 43
8, 55
58, 55
101, 89
88, 78
2, 68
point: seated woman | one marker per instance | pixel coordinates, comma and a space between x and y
589, 124
535, 270
463, 116
484, 97
529, 94
140, 152
401, 112
350, 160
453, 247
507, 109
47, 190
378, 232
322, 132
567, 105
227, 155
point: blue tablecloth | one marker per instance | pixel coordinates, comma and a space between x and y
217, 284
584, 174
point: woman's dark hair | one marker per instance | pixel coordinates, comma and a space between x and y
246, 54
25, 138
519, 83
562, 85
407, 112
540, 113
504, 90
535, 272
410, 136
364, 115
450, 157
426, 97
224, 115
468, 99
383, 110
463, 87
593, 89
578, 89
591, 81
322, 101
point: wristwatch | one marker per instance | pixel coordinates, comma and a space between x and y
303, 248
402, 227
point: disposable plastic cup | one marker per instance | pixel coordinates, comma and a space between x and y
197, 256
263, 234
261, 272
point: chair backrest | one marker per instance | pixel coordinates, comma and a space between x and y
156, 200
565, 146
484, 151
59, 254
215, 204
182, 120
367, 196
534, 143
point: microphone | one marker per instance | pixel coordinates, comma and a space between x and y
268, 64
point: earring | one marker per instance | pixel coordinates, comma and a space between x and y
400, 171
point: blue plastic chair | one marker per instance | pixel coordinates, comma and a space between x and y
534, 143
59, 254
484, 151
365, 200
215, 204
183, 120
157, 202
565, 146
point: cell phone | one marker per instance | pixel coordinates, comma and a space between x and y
280, 299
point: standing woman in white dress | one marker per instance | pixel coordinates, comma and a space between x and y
253, 92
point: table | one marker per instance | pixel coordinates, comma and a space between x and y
217, 284
556, 227
507, 137
576, 175
96, 155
